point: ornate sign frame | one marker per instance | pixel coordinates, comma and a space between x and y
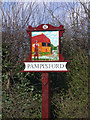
44, 65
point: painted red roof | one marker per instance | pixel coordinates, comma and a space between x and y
40, 38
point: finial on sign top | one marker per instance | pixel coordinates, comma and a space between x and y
45, 26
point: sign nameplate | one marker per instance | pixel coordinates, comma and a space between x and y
45, 66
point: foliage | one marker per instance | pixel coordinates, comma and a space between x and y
53, 47
22, 91
72, 100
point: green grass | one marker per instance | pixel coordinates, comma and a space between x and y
42, 53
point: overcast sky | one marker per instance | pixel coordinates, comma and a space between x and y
43, 0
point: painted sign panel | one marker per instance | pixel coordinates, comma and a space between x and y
45, 45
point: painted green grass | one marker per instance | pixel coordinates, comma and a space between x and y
42, 53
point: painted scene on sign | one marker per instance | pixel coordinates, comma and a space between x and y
45, 45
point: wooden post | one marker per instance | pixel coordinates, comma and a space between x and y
45, 96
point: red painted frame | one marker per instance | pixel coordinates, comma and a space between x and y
50, 28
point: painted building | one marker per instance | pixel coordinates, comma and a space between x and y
43, 41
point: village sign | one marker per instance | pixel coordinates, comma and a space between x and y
45, 49
45, 56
